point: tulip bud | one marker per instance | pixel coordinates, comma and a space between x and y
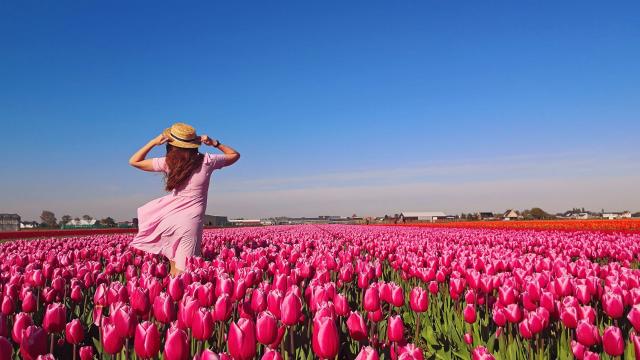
176, 288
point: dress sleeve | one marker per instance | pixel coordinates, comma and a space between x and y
216, 161
159, 164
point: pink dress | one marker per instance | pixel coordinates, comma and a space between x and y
172, 225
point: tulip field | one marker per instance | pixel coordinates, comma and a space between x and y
327, 292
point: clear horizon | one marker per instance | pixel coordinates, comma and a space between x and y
336, 108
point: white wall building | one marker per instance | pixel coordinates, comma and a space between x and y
432, 216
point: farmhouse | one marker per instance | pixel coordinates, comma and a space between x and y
510, 215
412, 216
9, 222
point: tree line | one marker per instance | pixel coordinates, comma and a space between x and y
48, 219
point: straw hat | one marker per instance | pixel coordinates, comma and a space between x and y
182, 135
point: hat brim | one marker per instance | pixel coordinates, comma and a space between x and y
179, 143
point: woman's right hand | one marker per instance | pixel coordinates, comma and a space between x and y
159, 140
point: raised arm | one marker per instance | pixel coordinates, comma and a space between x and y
231, 154
138, 160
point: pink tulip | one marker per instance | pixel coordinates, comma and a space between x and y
112, 340
367, 353
290, 309
469, 314
21, 322
55, 318
325, 341
125, 321
587, 334
481, 353
418, 300
86, 353
613, 341
634, 317
6, 349
357, 327
202, 324
176, 288
371, 299
223, 307
164, 309
74, 332
176, 345
242, 339
147, 340
271, 355
34, 343
613, 305
395, 329
266, 328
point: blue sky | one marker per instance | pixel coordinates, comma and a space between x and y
337, 107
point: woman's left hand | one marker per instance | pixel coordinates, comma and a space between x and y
159, 140
205, 139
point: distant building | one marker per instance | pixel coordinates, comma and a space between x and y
616, 215
125, 224
28, 224
81, 224
215, 221
511, 215
413, 216
245, 222
486, 216
9, 222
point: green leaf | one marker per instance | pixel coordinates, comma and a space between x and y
98, 345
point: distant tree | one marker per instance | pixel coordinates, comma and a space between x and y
87, 217
536, 214
76, 219
48, 218
108, 221
65, 219
636, 214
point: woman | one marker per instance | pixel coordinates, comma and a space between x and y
172, 225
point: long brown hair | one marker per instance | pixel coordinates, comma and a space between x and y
181, 163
